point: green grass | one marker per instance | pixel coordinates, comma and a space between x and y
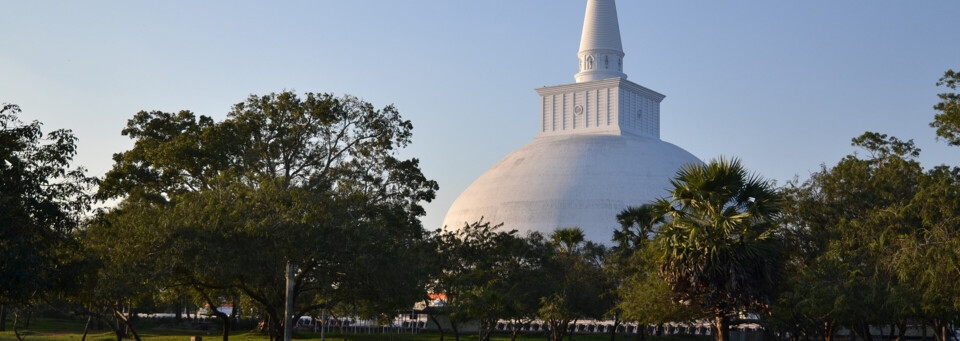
42, 329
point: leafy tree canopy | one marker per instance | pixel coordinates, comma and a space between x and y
42, 201
313, 180
947, 120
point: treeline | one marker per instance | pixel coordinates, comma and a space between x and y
308, 194
201, 212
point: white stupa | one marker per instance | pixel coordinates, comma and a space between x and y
598, 150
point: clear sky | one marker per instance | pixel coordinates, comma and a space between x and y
784, 85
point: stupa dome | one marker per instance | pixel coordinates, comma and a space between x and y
575, 180
598, 150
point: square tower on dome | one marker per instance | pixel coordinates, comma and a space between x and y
613, 106
602, 101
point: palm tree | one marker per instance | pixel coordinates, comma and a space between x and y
719, 245
637, 224
568, 239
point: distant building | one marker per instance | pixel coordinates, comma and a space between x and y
598, 150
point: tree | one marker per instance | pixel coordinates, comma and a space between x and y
113, 278
479, 269
927, 262
947, 121
42, 201
643, 295
579, 285
647, 298
523, 279
845, 224
719, 246
313, 181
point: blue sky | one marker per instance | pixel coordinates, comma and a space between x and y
782, 85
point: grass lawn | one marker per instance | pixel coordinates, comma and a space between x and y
64, 330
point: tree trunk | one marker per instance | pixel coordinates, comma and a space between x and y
224, 323
865, 330
723, 326
101, 318
268, 326
862, 331
456, 332
119, 333
641, 332
517, 326
288, 307
16, 332
86, 328
483, 331
178, 316
27, 325
224, 319
343, 334
828, 331
555, 333
119, 328
901, 331
235, 311
3, 317
276, 328
435, 321
616, 322
128, 325
558, 329
131, 317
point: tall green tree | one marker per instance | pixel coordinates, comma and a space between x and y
311, 180
43, 198
719, 246
579, 286
846, 223
928, 262
523, 287
644, 296
488, 275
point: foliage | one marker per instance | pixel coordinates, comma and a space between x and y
42, 202
719, 247
947, 121
643, 295
314, 180
580, 288
846, 224
488, 275
646, 297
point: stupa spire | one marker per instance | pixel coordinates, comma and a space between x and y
601, 53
